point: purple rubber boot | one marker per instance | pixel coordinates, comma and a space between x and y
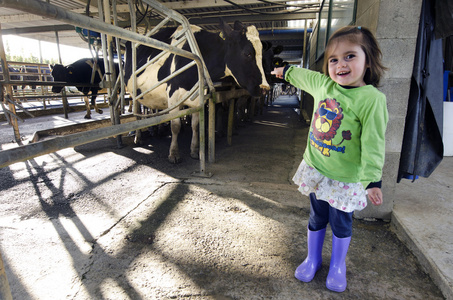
336, 279
307, 270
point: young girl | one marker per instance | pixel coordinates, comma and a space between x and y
345, 153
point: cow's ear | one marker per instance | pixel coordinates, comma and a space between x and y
238, 26
51, 66
278, 49
57, 66
226, 29
266, 45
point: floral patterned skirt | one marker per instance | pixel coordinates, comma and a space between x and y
344, 196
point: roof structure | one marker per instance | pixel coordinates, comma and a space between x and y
279, 22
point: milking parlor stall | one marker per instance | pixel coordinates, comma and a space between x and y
159, 167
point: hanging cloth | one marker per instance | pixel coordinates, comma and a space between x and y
444, 18
422, 148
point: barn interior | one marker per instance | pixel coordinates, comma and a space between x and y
299, 27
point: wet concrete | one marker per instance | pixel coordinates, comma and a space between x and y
98, 222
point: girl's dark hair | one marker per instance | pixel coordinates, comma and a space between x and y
363, 37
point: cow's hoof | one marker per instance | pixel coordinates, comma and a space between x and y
174, 159
87, 117
195, 155
100, 111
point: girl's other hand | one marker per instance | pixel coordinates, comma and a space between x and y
278, 72
375, 196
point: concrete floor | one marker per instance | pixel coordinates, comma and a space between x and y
76, 224
423, 219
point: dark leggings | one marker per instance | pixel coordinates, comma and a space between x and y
322, 213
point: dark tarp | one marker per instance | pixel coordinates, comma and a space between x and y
422, 148
444, 18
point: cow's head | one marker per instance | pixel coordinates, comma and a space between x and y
243, 57
60, 73
269, 53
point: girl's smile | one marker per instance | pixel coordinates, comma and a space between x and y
347, 64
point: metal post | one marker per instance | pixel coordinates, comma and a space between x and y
202, 140
40, 54
305, 45
135, 103
104, 14
201, 127
63, 91
9, 89
211, 128
120, 64
301, 100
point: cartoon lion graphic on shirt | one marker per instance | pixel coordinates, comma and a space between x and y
326, 122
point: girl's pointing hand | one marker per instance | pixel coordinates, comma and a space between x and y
278, 72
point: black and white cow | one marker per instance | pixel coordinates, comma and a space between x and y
243, 105
12, 71
269, 52
236, 52
80, 72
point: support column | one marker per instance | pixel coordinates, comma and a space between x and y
63, 91
395, 25
9, 90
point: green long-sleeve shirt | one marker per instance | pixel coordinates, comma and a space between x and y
347, 134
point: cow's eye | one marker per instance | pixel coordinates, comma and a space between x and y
248, 55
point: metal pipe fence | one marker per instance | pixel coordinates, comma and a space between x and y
107, 30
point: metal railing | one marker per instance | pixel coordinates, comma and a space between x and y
108, 31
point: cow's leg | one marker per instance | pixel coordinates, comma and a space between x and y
195, 144
87, 106
174, 157
131, 105
93, 102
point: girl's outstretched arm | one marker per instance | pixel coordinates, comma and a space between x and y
375, 195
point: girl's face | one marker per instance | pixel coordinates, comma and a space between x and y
347, 64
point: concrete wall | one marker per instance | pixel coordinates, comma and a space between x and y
395, 24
